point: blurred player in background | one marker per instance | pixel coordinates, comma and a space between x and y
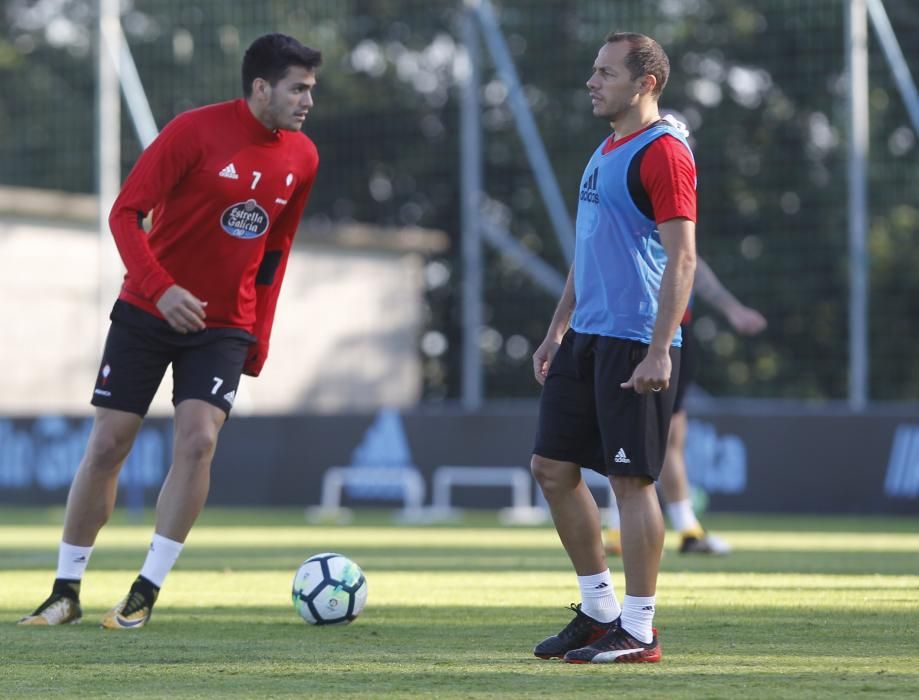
674, 484
611, 356
227, 185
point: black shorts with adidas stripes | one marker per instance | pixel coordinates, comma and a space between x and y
687, 375
140, 346
585, 417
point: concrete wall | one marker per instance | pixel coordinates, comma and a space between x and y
345, 335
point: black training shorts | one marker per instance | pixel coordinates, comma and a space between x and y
687, 373
585, 417
205, 365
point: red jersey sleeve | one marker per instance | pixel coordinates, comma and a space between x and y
271, 273
158, 170
668, 174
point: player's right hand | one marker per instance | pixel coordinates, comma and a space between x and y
651, 374
182, 310
542, 358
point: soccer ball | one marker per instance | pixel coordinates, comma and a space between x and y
329, 589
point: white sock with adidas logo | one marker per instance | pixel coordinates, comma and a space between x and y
72, 561
598, 597
160, 559
638, 616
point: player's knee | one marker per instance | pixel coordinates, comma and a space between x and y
196, 446
539, 468
626, 487
550, 475
106, 451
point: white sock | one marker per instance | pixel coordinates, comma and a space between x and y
637, 616
682, 517
598, 597
72, 561
160, 559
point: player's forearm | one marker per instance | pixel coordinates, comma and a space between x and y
160, 168
673, 298
563, 312
271, 274
135, 252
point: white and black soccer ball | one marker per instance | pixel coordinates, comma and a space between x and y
329, 589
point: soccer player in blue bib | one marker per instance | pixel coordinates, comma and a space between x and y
611, 350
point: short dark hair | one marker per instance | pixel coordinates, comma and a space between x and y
269, 57
646, 57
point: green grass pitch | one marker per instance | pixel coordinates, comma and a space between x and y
805, 607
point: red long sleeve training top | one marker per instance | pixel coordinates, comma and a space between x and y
227, 195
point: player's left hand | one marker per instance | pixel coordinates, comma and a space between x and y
651, 374
255, 359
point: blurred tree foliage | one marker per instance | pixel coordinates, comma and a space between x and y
760, 82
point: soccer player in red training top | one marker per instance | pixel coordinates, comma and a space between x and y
611, 350
227, 185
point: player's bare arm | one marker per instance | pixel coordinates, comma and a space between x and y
542, 358
678, 237
744, 319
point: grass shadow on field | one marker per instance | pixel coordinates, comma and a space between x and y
459, 651
822, 608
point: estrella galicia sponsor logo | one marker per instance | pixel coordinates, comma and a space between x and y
589, 188
902, 479
245, 220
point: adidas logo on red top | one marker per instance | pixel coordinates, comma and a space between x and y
229, 172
